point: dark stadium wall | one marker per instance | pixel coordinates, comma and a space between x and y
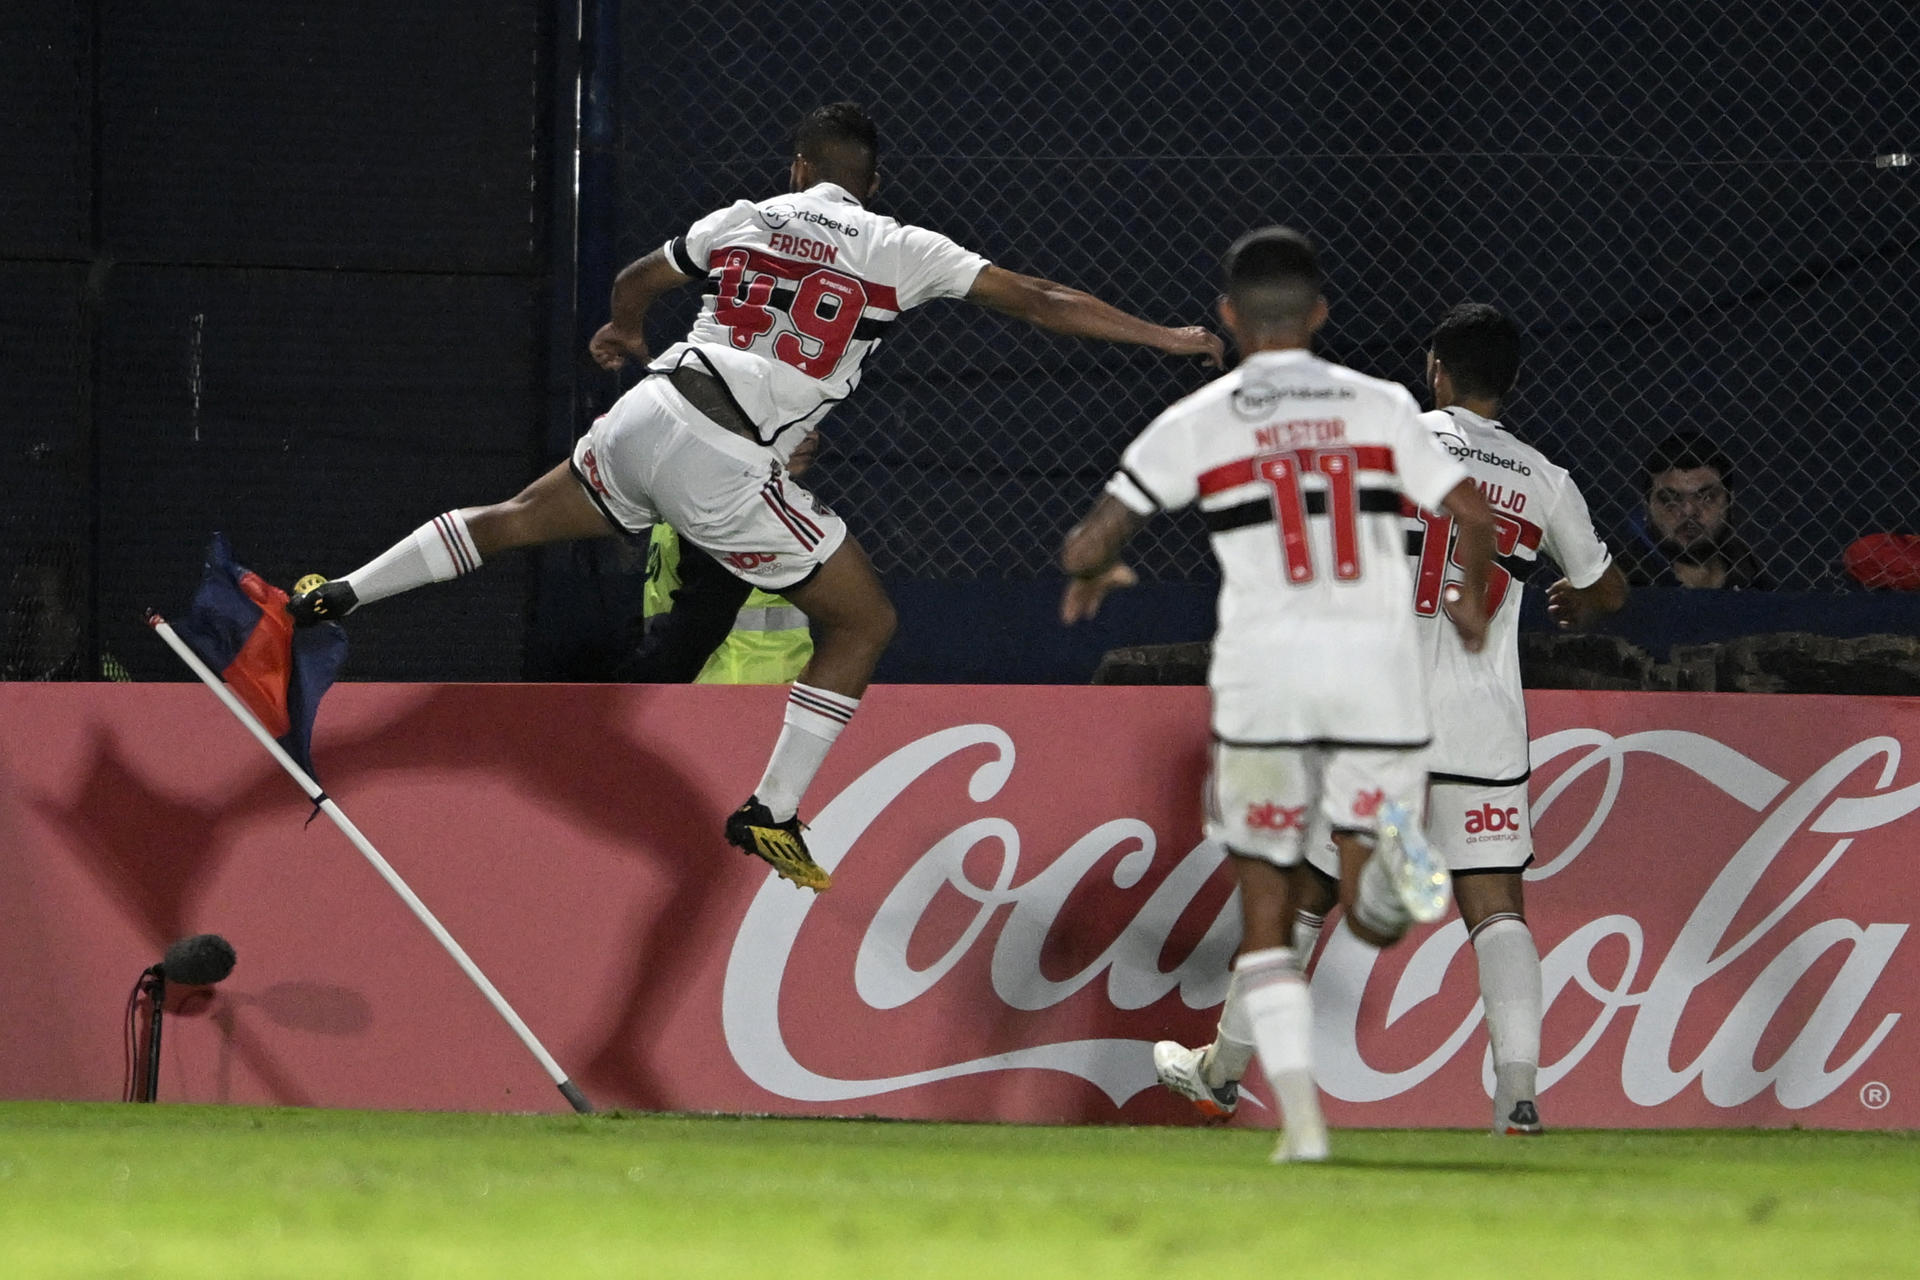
44, 257
1021, 906
281, 271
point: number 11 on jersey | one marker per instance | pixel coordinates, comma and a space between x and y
1282, 472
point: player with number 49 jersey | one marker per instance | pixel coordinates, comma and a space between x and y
799, 290
1479, 710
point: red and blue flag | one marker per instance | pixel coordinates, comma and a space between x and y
238, 624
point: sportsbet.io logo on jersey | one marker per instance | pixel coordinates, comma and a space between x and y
1256, 400
1466, 452
779, 215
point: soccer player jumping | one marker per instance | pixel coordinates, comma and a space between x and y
1319, 704
800, 290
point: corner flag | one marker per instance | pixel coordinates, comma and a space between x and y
238, 624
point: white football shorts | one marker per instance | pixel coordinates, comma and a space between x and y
1262, 801
1478, 828
654, 457
1475, 828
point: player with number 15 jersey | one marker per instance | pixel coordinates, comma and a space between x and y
1478, 816
1479, 710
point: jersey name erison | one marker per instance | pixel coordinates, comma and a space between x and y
802, 247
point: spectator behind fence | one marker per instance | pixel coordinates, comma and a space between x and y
1682, 535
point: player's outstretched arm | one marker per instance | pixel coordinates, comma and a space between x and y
1570, 606
1091, 556
624, 337
1473, 552
1059, 309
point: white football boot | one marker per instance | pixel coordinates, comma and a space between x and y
1417, 873
1178, 1068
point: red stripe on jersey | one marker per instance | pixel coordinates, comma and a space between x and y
1367, 457
1530, 533
878, 295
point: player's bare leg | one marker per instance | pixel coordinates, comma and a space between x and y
852, 622
1492, 903
552, 509
1374, 913
1218, 1069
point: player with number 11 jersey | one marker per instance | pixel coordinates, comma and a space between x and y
1298, 467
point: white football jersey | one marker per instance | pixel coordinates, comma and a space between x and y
1299, 467
800, 289
1479, 712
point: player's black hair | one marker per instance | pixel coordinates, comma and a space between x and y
1480, 348
1272, 275
1686, 451
840, 138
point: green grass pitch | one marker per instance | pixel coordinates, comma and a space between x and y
104, 1190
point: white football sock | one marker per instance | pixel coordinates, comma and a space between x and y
1342, 986
1306, 936
1231, 1052
438, 550
1282, 1015
1510, 988
814, 719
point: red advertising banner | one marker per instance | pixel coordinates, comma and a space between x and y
1021, 906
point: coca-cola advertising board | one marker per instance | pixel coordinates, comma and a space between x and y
1022, 905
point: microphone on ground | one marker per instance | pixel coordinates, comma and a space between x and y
199, 961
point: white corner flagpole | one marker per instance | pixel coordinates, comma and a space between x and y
325, 803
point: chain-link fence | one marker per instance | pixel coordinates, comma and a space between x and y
273, 270
1694, 208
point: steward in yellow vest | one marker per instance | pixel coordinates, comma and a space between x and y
703, 623
695, 607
